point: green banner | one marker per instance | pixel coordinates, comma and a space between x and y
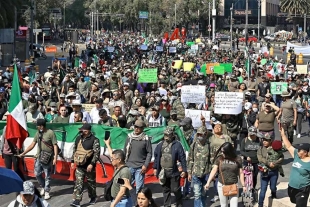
190, 43
278, 87
217, 69
69, 132
147, 75
227, 67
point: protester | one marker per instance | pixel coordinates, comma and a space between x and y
28, 197
47, 156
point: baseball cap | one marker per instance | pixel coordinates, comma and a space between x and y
186, 121
2, 90
252, 131
202, 130
173, 112
140, 124
303, 146
169, 131
28, 188
156, 108
99, 100
85, 126
247, 106
41, 122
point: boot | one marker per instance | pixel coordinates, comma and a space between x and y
273, 195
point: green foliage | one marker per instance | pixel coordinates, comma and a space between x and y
7, 12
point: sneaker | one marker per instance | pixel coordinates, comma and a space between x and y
47, 196
298, 136
92, 201
75, 203
213, 200
42, 192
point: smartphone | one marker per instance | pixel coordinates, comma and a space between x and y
120, 181
107, 135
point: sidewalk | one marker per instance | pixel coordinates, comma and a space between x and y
282, 198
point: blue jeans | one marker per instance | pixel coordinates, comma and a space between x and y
137, 177
39, 168
215, 182
125, 202
200, 195
272, 178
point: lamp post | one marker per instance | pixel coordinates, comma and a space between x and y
231, 23
258, 20
209, 18
213, 20
246, 21
31, 25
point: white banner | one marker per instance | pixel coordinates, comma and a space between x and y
305, 50
193, 94
195, 116
228, 102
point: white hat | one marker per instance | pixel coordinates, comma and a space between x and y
71, 94
91, 74
27, 79
247, 106
76, 103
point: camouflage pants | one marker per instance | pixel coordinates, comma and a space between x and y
80, 174
290, 132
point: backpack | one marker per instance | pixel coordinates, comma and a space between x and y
81, 155
38, 203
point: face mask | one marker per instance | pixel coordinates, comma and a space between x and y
45, 97
53, 108
41, 130
255, 110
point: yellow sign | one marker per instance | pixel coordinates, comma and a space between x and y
177, 64
198, 40
188, 66
88, 107
302, 69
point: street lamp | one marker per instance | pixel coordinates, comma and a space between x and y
258, 19
231, 23
246, 21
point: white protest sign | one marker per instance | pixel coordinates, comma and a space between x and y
159, 48
194, 47
228, 102
143, 47
111, 49
195, 116
193, 94
172, 49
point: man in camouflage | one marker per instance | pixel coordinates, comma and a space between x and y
199, 165
188, 129
105, 119
179, 107
85, 142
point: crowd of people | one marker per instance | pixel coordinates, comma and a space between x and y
222, 155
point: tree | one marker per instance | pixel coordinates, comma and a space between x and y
295, 7
7, 11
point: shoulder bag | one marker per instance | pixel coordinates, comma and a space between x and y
228, 190
107, 194
44, 156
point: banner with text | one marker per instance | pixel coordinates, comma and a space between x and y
278, 87
228, 102
195, 116
147, 75
193, 94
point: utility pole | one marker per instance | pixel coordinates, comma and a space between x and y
175, 15
213, 20
92, 25
97, 25
64, 15
258, 20
209, 18
246, 21
231, 25
305, 23
31, 25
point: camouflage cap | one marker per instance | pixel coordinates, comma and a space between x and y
186, 121
252, 130
169, 130
173, 112
202, 130
28, 188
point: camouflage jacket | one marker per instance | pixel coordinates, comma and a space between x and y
178, 106
199, 159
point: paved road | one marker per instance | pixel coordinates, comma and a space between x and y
62, 190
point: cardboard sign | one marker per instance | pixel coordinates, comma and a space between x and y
302, 69
278, 87
188, 66
194, 47
159, 48
111, 49
177, 64
195, 116
193, 94
172, 49
228, 102
88, 107
147, 75
143, 47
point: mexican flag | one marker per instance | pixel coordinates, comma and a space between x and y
16, 130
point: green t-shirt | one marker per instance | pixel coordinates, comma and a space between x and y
124, 173
49, 138
240, 79
300, 173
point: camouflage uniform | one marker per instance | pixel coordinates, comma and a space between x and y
178, 106
274, 156
114, 103
187, 129
108, 122
81, 172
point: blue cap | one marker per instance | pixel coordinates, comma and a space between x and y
2, 90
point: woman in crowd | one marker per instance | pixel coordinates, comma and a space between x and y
301, 104
141, 108
164, 107
136, 95
265, 119
299, 182
229, 167
270, 160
